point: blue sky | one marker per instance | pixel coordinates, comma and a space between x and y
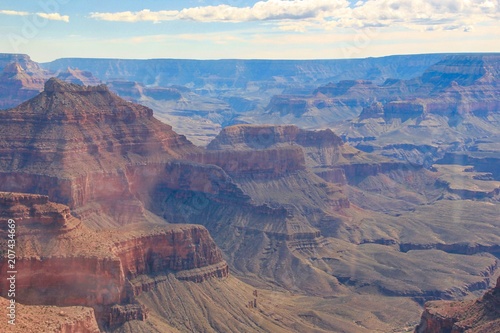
271, 29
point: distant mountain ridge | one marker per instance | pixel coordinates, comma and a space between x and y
236, 73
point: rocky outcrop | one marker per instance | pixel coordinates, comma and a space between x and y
20, 79
178, 249
356, 171
18, 85
74, 142
334, 175
23, 59
265, 136
481, 161
60, 262
321, 148
38, 318
120, 314
284, 105
76, 76
465, 70
480, 316
404, 109
262, 163
128, 90
457, 86
163, 94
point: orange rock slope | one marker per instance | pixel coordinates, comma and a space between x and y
61, 262
20, 79
479, 316
78, 166
68, 139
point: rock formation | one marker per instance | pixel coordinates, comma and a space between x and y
323, 151
61, 262
17, 85
101, 156
290, 209
479, 316
43, 318
238, 73
76, 76
78, 137
20, 79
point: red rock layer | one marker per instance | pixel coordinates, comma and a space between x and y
480, 316
20, 79
266, 162
74, 143
63, 263
264, 136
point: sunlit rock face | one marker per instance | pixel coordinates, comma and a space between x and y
61, 262
20, 79
479, 316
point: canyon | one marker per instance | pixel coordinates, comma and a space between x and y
63, 263
481, 315
275, 221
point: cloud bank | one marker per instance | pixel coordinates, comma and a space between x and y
48, 16
300, 15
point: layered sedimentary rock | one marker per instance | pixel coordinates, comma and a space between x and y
76, 76
41, 318
479, 316
266, 162
79, 137
241, 72
461, 85
265, 136
100, 158
18, 84
61, 262
20, 79
457, 86
323, 150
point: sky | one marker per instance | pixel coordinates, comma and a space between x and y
244, 29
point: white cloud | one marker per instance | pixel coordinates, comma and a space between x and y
48, 16
424, 14
54, 17
301, 15
13, 13
143, 15
261, 11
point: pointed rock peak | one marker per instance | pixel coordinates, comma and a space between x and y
13, 68
56, 85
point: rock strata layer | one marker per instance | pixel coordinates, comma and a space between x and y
61, 262
479, 316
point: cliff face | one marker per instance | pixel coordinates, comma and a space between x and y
32, 318
262, 136
480, 316
80, 141
20, 79
229, 72
76, 76
462, 85
18, 84
60, 262
292, 147
264, 163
